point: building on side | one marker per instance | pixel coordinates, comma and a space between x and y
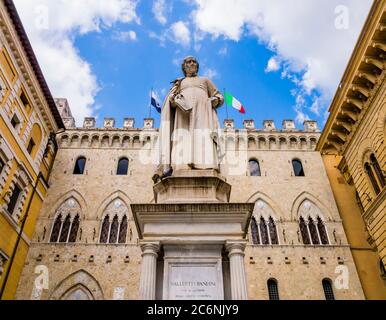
28, 122
353, 148
87, 240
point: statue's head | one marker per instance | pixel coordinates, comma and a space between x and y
190, 67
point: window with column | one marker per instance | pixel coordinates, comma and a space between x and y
312, 226
114, 227
66, 225
264, 232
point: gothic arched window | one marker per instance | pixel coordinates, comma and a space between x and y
56, 229
322, 232
273, 289
67, 230
313, 231
105, 230
254, 168
74, 230
298, 168
328, 290
80, 165
312, 226
304, 231
378, 170
372, 178
123, 230
273, 231
114, 230
255, 232
264, 232
123, 167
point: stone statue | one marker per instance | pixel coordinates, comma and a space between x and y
189, 140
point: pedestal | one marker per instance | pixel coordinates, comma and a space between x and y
201, 236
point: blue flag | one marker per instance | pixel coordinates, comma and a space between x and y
155, 103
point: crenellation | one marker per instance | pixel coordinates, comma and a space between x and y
289, 125
109, 123
249, 124
269, 125
89, 123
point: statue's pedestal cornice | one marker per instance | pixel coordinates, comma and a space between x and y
193, 186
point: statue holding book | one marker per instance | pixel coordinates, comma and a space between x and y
189, 130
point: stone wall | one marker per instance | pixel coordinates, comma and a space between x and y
109, 268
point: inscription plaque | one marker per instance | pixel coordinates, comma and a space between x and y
195, 282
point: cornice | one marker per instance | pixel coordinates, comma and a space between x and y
50, 114
361, 82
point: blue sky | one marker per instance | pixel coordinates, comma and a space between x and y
281, 59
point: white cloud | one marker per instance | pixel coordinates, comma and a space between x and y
159, 10
210, 73
273, 65
125, 36
223, 51
52, 27
180, 33
302, 33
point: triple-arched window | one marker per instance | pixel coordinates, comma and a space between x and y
67, 223
115, 224
114, 230
263, 225
264, 232
312, 227
375, 174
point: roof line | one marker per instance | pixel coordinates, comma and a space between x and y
33, 60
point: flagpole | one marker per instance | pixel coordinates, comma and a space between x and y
226, 105
151, 92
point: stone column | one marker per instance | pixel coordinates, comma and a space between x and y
147, 286
237, 269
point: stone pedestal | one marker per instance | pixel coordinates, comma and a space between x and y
201, 236
194, 238
201, 186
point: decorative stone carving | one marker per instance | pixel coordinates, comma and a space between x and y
69, 123
237, 269
128, 123
311, 126
109, 123
89, 123
148, 123
249, 124
229, 124
289, 125
269, 125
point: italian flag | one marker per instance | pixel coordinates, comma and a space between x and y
232, 101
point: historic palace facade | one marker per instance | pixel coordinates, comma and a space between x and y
294, 213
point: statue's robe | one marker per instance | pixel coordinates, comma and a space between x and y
190, 140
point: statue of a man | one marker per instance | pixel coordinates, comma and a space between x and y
189, 135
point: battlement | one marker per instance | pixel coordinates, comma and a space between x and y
89, 123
